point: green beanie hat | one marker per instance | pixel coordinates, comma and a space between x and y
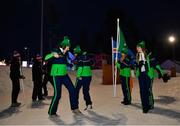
124, 50
77, 50
65, 42
141, 44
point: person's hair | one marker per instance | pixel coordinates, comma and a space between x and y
123, 57
63, 47
137, 54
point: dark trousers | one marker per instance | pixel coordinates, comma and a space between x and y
37, 90
15, 89
58, 81
151, 97
145, 84
85, 83
45, 81
125, 84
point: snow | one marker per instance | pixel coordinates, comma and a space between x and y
107, 110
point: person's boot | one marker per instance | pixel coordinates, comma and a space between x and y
17, 104
145, 110
125, 102
41, 98
54, 116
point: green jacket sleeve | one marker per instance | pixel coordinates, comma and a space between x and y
118, 65
159, 70
48, 56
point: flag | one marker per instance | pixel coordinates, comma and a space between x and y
71, 56
122, 42
115, 51
70, 59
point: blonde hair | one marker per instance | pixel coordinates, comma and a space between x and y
137, 54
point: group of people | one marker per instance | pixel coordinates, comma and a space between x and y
60, 76
145, 66
55, 71
16, 74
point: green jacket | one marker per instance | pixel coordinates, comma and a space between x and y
84, 71
153, 69
59, 67
84, 66
124, 71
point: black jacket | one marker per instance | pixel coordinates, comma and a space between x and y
37, 71
15, 69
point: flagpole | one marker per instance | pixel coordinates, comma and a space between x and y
113, 67
119, 42
115, 81
118, 34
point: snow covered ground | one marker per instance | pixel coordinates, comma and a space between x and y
107, 110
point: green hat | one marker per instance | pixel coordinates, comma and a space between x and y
77, 50
124, 50
141, 44
65, 42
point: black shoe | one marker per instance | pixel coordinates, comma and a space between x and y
122, 102
41, 99
33, 100
145, 110
17, 104
125, 103
53, 116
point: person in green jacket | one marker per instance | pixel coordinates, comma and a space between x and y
84, 75
60, 76
124, 66
145, 71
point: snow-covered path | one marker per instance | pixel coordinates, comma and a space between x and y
107, 110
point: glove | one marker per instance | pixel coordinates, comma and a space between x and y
160, 76
165, 78
141, 63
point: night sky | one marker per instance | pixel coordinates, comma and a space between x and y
89, 23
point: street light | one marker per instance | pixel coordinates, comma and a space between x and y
172, 40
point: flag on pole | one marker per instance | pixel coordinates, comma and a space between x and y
117, 47
121, 41
122, 44
115, 51
116, 58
